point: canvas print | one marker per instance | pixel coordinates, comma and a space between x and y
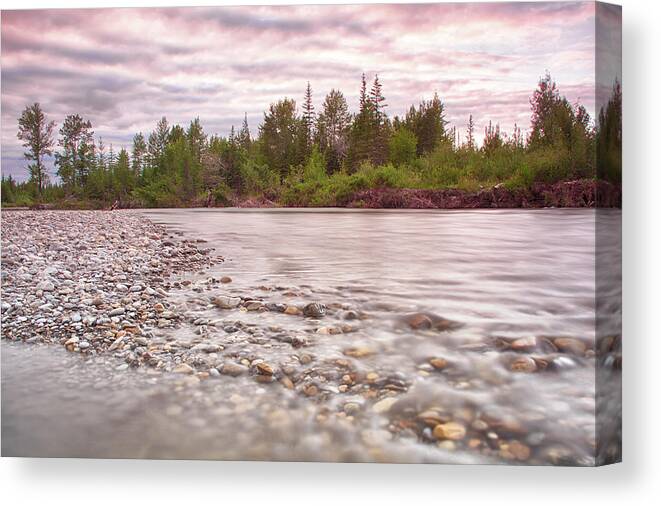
348, 233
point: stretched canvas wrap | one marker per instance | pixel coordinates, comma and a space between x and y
349, 233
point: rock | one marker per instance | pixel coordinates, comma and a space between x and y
226, 302
225, 279
287, 382
311, 390
214, 372
159, 308
264, 369
136, 288
432, 418
292, 310
418, 321
233, 369
117, 312
314, 310
351, 408
384, 405
438, 363
46, 286
358, 352
570, 345
371, 377
121, 288
450, 430
524, 344
122, 367
183, 369
76, 317
515, 450
523, 364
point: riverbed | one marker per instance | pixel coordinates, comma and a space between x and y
336, 335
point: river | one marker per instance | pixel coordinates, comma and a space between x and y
497, 275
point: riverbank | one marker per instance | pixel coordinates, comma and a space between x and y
231, 359
582, 193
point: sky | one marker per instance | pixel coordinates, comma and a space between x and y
125, 68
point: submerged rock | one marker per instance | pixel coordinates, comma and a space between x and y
314, 310
226, 302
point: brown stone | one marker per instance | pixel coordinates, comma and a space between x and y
450, 430
418, 321
264, 368
438, 363
524, 344
523, 364
570, 345
358, 352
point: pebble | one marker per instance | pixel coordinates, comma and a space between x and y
418, 321
232, 369
384, 405
46, 286
315, 310
450, 430
524, 344
292, 310
438, 363
570, 345
264, 369
183, 369
523, 364
226, 302
225, 279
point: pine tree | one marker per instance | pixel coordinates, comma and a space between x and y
196, 139
138, 154
36, 132
158, 141
278, 136
470, 136
361, 131
378, 131
307, 120
78, 154
243, 137
332, 131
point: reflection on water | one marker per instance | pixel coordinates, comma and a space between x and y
500, 274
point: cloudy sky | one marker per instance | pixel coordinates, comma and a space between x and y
125, 68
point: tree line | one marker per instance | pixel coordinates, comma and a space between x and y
308, 157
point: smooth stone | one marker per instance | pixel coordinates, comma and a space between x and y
226, 302
523, 364
292, 310
524, 344
264, 369
46, 286
438, 363
384, 405
450, 430
418, 321
117, 312
232, 369
225, 279
570, 345
183, 369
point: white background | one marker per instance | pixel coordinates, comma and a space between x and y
635, 482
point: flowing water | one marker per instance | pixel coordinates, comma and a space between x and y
499, 274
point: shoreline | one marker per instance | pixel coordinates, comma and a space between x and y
574, 194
